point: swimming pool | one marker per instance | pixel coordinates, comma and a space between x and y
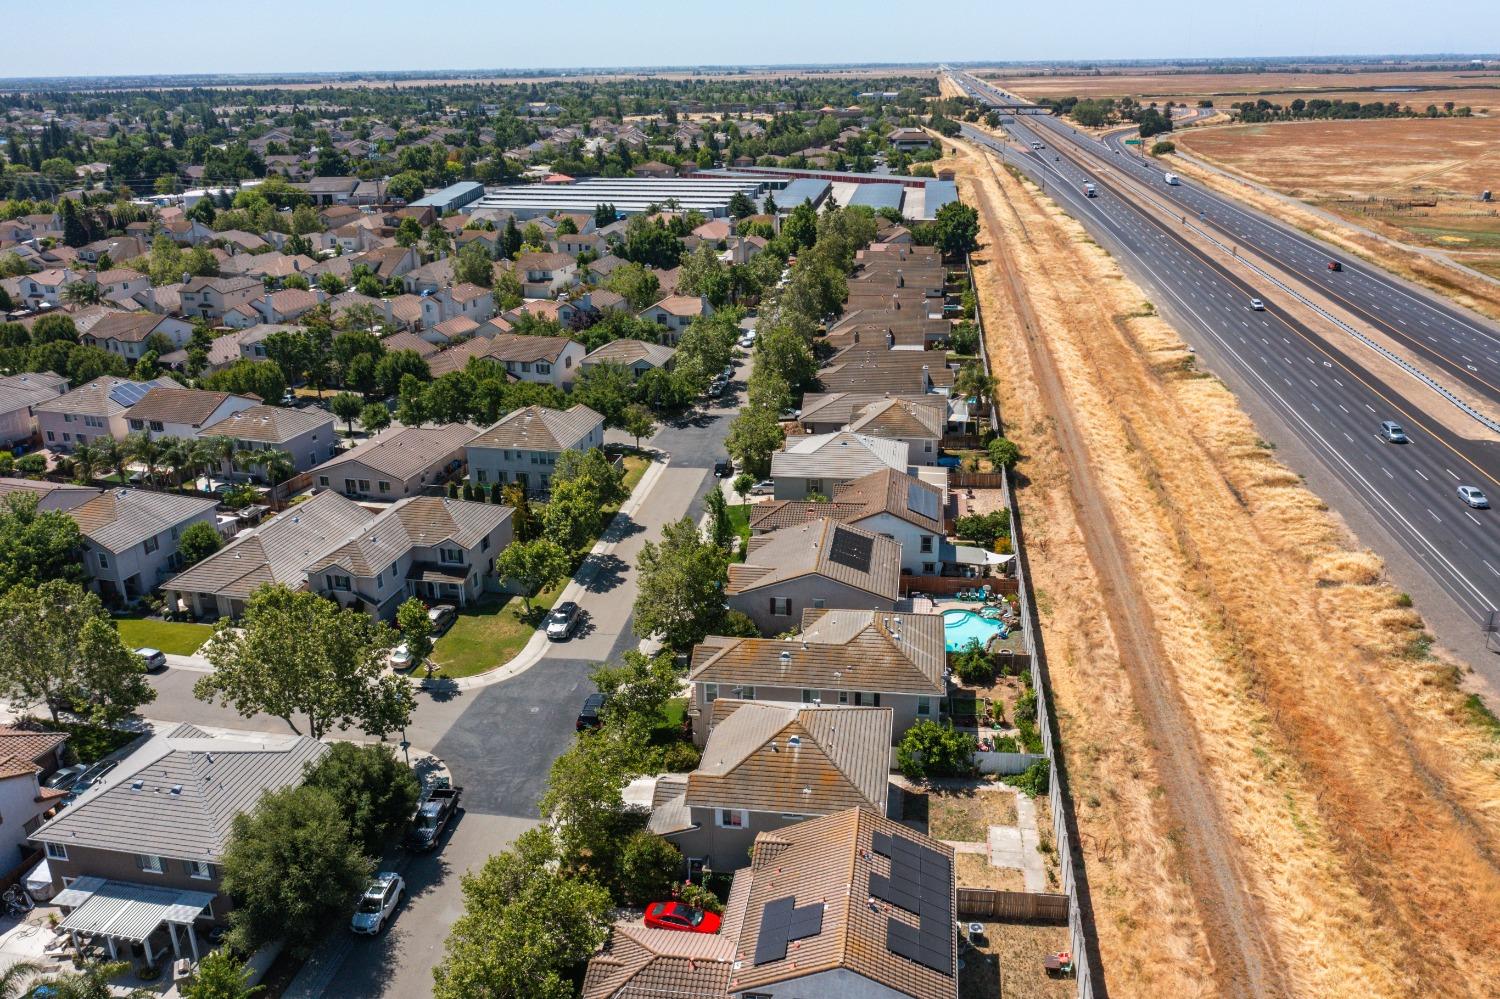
959, 626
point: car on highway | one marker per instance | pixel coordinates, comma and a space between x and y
442, 617
681, 916
1474, 496
377, 903
723, 468
563, 621
1334, 265
1257, 305
589, 717
1392, 433
155, 660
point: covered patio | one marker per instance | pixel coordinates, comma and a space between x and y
117, 911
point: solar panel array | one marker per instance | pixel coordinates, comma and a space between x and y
921, 500
921, 882
851, 550
129, 393
781, 922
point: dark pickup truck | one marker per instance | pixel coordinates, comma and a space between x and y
432, 817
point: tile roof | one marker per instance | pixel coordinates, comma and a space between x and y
898, 418
861, 368
104, 396
645, 963
415, 522
680, 305
120, 519
291, 301
270, 424
406, 451
25, 748
25, 390
840, 455
628, 352
126, 327
783, 758
836, 650
410, 341
177, 795
817, 548
537, 428
896, 493
841, 407
179, 405
830, 860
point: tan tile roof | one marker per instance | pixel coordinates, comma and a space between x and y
537, 428
816, 548
680, 305
410, 341
100, 397
416, 522
841, 407
271, 424
627, 351
405, 451
864, 369
125, 327
645, 963
898, 418
829, 860
178, 405
836, 650
293, 301
782, 758
467, 292
901, 495
28, 746
777, 514
544, 262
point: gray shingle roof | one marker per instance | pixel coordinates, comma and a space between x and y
270, 424
24, 390
814, 548
840, 456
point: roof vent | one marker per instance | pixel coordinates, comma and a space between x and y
786, 657
137, 784
794, 741
176, 788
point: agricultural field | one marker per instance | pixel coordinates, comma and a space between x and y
1477, 88
1416, 180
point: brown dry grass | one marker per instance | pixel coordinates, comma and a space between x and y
1009, 964
1239, 86
964, 816
974, 870
1359, 796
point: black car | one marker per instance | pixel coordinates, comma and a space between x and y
90, 777
588, 715
723, 469
563, 621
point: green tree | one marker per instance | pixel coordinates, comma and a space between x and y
638, 691
416, 630
61, 648
956, 229
680, 586
506, 291
638, 422
720, 527
221, 975
405, 186
198, 542
648, 867
1004, 452
929, 750
347, 407
526, 924
800, 230
603, 482
606, 388
374, 418
534, 566
473, 265
740, 205
572, 517
298, 653
293, 868
703, 273
636, 283
37, 545
753, 437
376, 792
408, 233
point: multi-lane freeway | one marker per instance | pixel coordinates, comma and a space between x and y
1325, 386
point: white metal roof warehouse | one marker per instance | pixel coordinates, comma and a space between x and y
629, 195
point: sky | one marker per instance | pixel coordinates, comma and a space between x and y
111, 37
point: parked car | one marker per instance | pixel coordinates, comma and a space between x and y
716, 387
1334, 265
563, 621
89, 778
400, 657
765, 487
723, 468
1257, 305
155, 659
66, 777
681, 916
1392, 433
433, 815
1474, 496
378, 903
747, 341
589, 715
441, 617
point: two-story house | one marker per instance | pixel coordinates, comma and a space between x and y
127, 333
26, 759
543, 275
305, 433
92, 410
131, 537
766, 766
524, 446
401, 462
211, 297
676, 313
19, 397
636, 355
810, 566
180, 412
821, 464
151, 835
46, 287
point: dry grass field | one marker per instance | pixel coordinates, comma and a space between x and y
1278, 790
1478, 88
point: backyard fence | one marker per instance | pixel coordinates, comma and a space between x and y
946, 586
1013, 906
976, 480
1005, 763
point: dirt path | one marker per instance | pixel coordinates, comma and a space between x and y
1278, 792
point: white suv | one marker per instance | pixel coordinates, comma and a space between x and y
378, 902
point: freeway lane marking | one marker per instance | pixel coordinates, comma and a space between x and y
1474, 519
1451, 472
1490, 567
1419, 472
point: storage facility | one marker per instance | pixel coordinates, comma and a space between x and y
708, 194
452, 197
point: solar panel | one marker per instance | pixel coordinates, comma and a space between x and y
129, 393
781, 922
920, 883
922, 501
851, 550
925, 945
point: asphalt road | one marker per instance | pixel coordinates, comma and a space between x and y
1327, 399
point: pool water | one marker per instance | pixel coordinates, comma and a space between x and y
959, 626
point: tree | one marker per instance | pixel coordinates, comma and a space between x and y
198, 542
637, 691
930, 750
720, 527
37, 545
347, 406
298, 653
293, 868
956, 229
1004, 453
374, 418
93, 981
800, 230
416, 630
82, 293
506, 291
526, 924
680, 596
533, 565
753, 437
408, 233
473, 265
603, 482
740, 205
607, 389
637, 283
376, 792
638, 422
221, 975
62, 648
648, 867
703, 273
15, 980
405, 186
973, 382
983, 528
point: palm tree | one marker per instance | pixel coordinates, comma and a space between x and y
93, 982
974, 382
86, 459
15, 979
112, 454
223, 451
145, 449
82, 293
177, 454
278, 467
205, 455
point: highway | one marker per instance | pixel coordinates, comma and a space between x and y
1321, 388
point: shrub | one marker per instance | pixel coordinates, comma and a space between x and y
1161, 148
648, 867
680, 758
1004, 453
972, 664
983, 528
1034, 780
929, 750
700, 896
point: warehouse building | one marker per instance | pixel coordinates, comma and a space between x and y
452, 197
708, 194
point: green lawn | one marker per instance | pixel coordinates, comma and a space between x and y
635, 468
739, 517
177, 637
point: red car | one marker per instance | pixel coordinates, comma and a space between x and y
1334, 265
680, 916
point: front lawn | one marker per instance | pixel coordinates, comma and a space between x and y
489, 634
181, 638
635, 469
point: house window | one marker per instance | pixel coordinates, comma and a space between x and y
781, 606
927, 446
198, 869
926, 544
929, 568
710, 693
484, 544
337, 582
819, 602
924, 707
732, 818
147, 863
843, 697
103, 561
364, 485
543, 368
385, 486
481, 475
349, 485
151, 545
809, 696
157, 426
56, 851
68, 418
323, 481
52, 437
137, 424
450, 555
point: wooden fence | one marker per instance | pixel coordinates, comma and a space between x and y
946, 586
1013, 906
976, 480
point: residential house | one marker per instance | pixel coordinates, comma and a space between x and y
830, 412
180, 412
46, 287
305, 433
26, 759
766, 766
127, 333
839, 657
543, 275
909, 139
121, 285
93, 410
878, 370
400, 462
822, 563
429, 278
546, 360
524, 446
388, 262
330, 190
676, 313
19, 396
640, 962
187, 232
637, 355
821, 464
211, 297
118, 248
919, 425
286, 305
150, 836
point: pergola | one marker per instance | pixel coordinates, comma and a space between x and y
123, 910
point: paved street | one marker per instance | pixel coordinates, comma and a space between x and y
498, 740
